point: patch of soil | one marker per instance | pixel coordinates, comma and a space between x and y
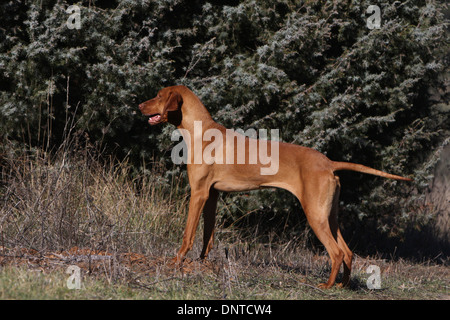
97, 261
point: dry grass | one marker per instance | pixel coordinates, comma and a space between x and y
73, 206
73, 197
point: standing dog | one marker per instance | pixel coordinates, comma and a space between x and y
305, 172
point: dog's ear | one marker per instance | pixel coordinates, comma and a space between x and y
173, 102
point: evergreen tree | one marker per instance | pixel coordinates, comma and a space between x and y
311, 68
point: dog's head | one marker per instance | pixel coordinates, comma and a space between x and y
159, 109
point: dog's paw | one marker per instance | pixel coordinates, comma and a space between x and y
324, 286
175, 262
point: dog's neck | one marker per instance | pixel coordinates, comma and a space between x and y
192, 110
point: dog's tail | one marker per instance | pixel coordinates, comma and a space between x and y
337, 166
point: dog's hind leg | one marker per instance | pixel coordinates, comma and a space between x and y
348, 255
318, 202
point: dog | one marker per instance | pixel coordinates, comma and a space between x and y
305, 172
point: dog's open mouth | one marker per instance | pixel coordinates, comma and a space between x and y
154, 118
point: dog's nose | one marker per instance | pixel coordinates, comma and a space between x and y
141, 106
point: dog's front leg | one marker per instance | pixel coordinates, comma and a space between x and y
196, 204
209, 219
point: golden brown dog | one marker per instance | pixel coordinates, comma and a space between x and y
305, 172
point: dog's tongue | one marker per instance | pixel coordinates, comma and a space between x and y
154, 119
